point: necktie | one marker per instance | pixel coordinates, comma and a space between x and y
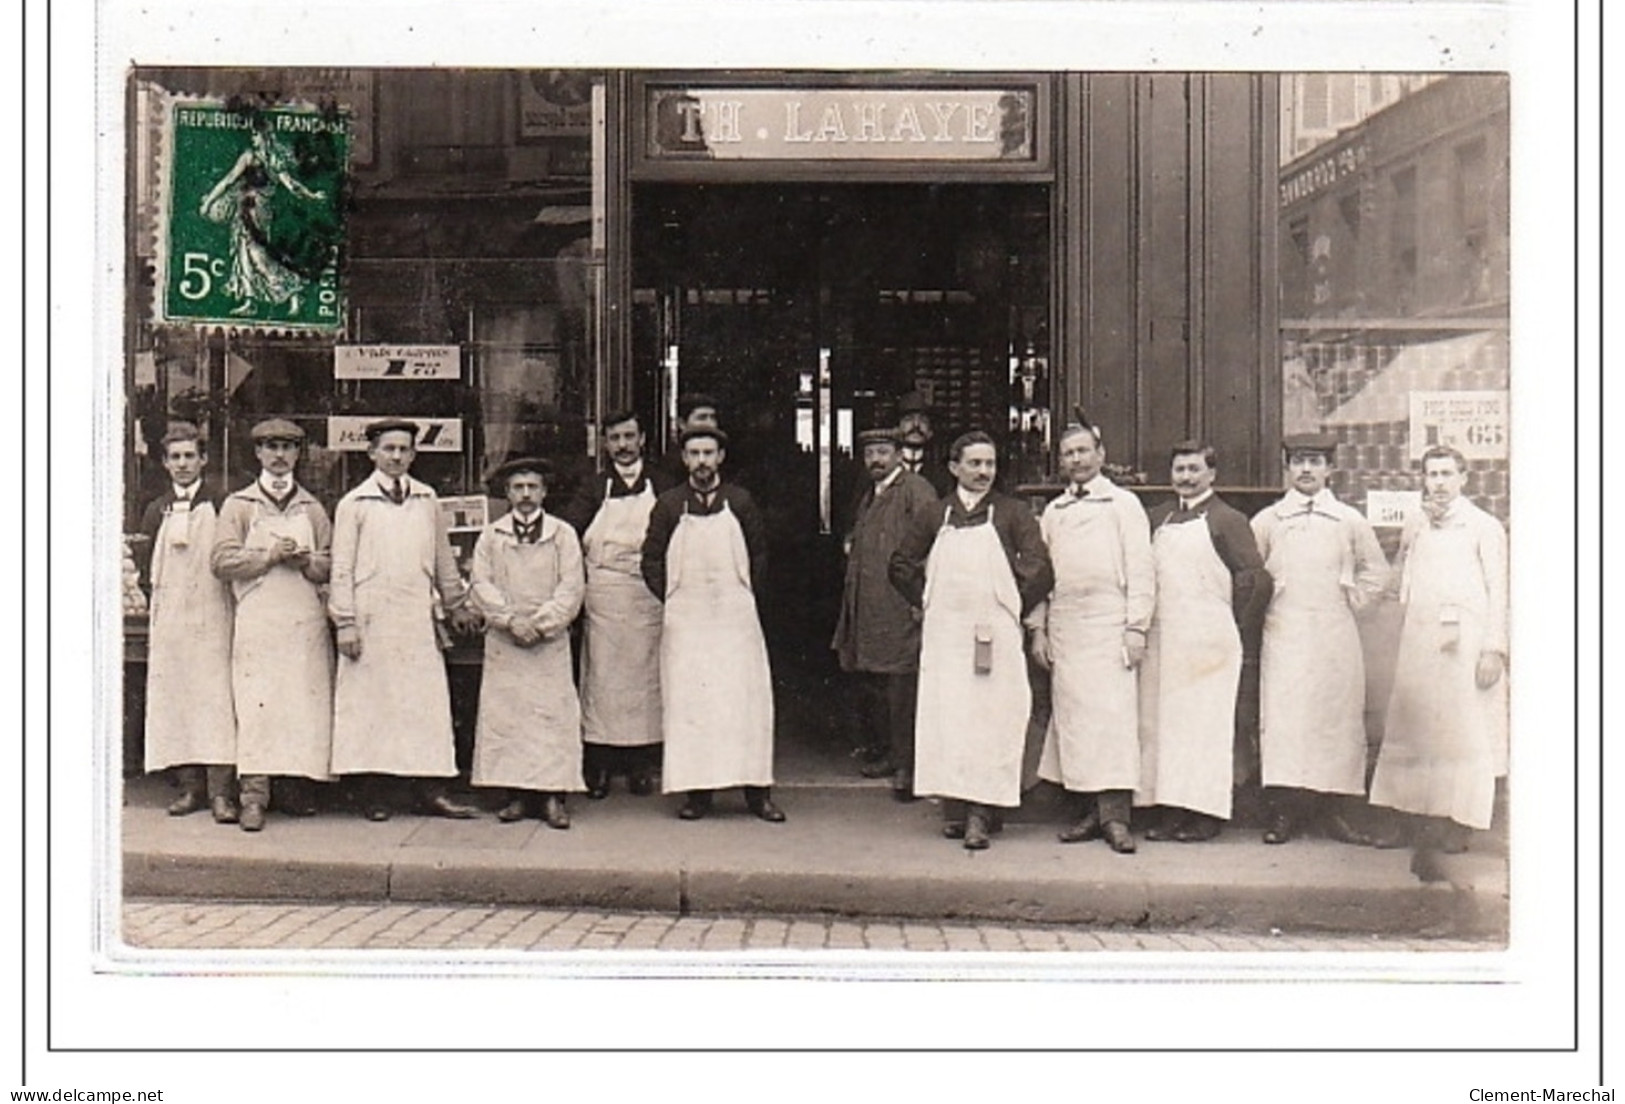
397, 494
527, 532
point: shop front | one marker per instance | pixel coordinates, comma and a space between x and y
524, 252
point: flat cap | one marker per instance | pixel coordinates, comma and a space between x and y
498, 479
276, 429
1310, 442
376, 429
884, 435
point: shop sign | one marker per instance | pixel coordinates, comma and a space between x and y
252, 216
1389, 509
396, 362
840, 124
1473, 422
1323, 172
348, 432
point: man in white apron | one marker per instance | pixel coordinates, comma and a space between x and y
620, 643
1445, 740
392, 565
877, 638
190, 722
1091, 634
273, 543
704, 555
1210, 580
528, 584
1326, 565
974, 569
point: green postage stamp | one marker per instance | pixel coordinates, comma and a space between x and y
252, 228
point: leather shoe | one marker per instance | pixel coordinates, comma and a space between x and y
880, 768
1119, 837
1198, 828
1087, 828
223, 809
1338, 828
376, 813
641, 784
902, 787
1168, 828
1280, 829
441, 805
512, 811
190, 801
764, 808
252, 818
1426, 866
598, 785
695, 806
954, 830
554, 812
976, 833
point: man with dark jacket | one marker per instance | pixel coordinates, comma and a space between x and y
620, 644
1210, 580
974, 568
877, 637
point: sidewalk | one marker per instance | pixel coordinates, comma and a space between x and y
847, 849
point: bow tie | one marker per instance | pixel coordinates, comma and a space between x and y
527, 532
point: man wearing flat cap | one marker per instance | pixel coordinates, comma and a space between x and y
704, 556
1327, 566
273, 543
1091, 634
877, 637
392, 566
528, 584
620, 640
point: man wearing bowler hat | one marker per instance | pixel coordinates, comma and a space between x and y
528, 585
877, 637
1327, 565
273, 543
704, 556
392, 566
914, 435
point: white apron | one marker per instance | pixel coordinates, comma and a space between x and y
1189, 679
391, 707
1312, 695
970, 729
620, 648
282, 663
1093, 739
529, 731
1445, 740
189, 712
716, 688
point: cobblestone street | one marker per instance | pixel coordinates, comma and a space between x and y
215, 925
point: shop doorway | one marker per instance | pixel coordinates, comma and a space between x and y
808, 311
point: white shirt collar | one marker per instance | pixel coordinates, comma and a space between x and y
1191, 504
896, 474
189, 493
630, 473
968, 500
268, 482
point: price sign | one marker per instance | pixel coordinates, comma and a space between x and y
348, 432
1473, 422
1388, 509
396, 362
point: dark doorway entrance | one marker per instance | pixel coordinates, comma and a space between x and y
808, 311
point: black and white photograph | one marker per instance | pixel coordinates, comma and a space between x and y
1052, 541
